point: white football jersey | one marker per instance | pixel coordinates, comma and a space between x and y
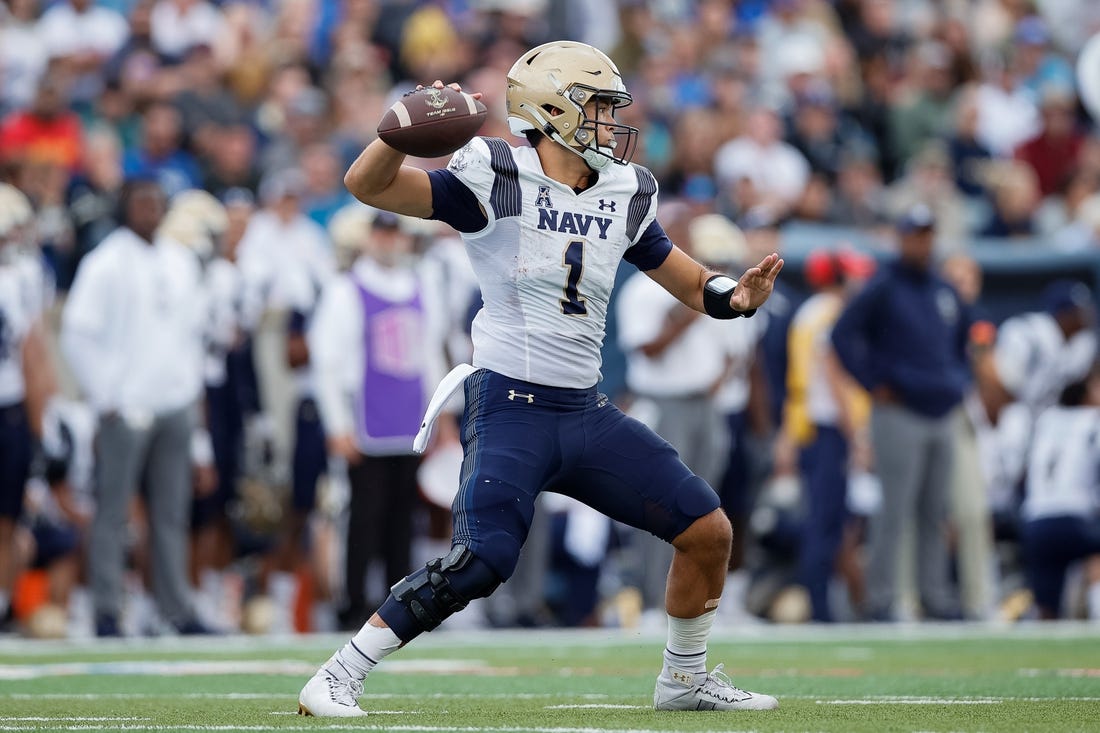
546, 260
1064, 470
1035, 361
15, 319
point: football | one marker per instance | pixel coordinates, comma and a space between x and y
431, 122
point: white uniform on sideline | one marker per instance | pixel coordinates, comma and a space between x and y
1064, 475
1035, 361
132, 327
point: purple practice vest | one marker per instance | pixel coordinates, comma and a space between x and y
392, 403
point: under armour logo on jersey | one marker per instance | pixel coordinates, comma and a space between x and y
607, 205
514, 395
543, 199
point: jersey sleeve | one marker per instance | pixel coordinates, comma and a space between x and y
651, 249
487, 167
453, 203
642, 209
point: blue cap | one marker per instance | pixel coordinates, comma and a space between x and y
1066, 295
1033, 31
384, 219
918, 217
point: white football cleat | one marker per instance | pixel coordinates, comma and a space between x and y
324, 696
680, 690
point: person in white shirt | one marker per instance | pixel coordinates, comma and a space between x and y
777, 171
720, 244
82, 35
132, 333
377, 342
1061, 510
23, 55
675, 361
546, 228
179, 25
26, 375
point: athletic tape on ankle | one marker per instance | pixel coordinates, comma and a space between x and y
712, 603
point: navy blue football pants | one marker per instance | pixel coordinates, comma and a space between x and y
521, 438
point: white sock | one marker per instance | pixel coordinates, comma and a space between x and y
1093, 599
363, 653
687, 642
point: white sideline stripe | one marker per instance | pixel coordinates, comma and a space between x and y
413, 728
289, 667
597, 706
402, 113
765, 634
284, 696
483, 696
920, 701
40, 719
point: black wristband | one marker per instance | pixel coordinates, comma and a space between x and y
716, 298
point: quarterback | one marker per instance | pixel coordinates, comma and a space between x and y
545, 228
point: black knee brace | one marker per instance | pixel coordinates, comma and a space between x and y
445, 586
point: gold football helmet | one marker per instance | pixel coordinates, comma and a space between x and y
548, 88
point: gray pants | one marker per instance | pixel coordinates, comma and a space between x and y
913, 459
696, 430
156, 457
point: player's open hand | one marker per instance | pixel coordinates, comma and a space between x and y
756, 284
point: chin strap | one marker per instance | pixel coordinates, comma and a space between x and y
596, 158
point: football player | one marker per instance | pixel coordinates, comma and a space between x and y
545, 228
27, 377
1061, 511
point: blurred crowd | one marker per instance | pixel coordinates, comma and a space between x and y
213, 360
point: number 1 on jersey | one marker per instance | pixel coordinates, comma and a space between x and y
573, 259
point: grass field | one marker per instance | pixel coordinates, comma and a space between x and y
880, 678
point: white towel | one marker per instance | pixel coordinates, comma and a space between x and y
447, 387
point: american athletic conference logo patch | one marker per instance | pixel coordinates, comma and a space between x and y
543, 199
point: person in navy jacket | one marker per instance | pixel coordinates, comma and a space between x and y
904, 339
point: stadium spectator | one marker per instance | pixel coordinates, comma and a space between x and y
80, 35
765, 172
859, 197
1015, 190
92, 199
133, 311
231, 162
1054, 152
160, 153
180, 25
23, 55
922, 113
903, 339
46, 133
